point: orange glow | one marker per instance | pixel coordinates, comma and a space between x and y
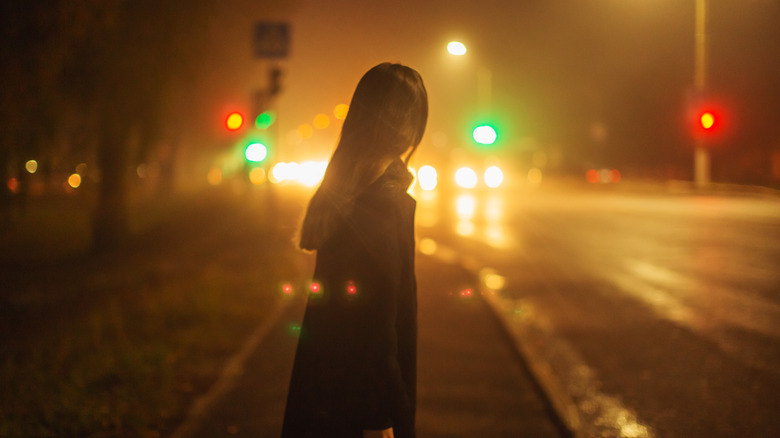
535, 177
305, 131
314, 287
465, 293
321, 121
592, 176
340, 112
287, 288
257, 175
614, 176
428, 246
74, 180
351, 289
234, 121
214, 176
13, 185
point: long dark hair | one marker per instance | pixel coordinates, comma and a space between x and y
386, 120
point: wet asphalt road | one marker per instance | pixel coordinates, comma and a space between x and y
669, 302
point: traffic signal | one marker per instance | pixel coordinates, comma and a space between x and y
234, 121
484, 135
708, 117
256, 152
708, 120
265, 120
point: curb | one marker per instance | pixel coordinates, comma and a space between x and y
553, 389
570, 387
559, 398
233, 369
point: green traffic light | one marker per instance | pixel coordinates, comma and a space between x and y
484, 134
256, 152
265, 120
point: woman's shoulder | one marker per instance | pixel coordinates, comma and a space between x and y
391, 188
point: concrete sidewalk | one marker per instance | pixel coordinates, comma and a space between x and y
471, 381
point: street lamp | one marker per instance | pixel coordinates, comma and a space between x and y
481, 134
456, 48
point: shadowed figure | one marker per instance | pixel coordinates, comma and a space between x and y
355, 367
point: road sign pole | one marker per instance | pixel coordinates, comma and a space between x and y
701, 157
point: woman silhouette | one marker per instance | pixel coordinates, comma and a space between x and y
355, 367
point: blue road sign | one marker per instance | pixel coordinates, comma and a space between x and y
271, 40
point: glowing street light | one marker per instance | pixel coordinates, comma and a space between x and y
484, 134
707, 120
256, 152
456, 48
466, 178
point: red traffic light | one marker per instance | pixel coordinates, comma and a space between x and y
234, 121
708, 120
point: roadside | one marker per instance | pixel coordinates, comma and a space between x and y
121, 344
470, 380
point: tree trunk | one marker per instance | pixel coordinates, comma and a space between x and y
110, 224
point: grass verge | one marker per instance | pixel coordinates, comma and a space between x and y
119, 345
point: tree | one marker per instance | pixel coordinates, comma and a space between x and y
124, 61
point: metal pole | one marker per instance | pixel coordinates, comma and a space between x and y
701, 153
484, 88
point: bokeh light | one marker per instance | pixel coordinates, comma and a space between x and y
234, 121
31, 166
265, 120
465, 206
456, 48
257, 175
341, 110
494, 281
428, 246
707, 120
13, 185
535, 176
493, 176
466, 177
427, 177
74, 180
484, 134
321, 121
305, 131
310, 173
256, 152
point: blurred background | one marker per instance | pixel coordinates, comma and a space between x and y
140, 95
615, 163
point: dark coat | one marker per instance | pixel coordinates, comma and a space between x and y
355, 367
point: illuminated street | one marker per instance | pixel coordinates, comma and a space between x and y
666, 304
597, 226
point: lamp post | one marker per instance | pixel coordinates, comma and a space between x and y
484, 76
701, 154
